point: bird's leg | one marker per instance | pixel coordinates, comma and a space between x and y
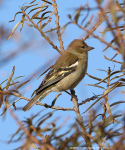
68, 93
73, 94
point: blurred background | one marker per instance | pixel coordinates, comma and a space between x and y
31, 54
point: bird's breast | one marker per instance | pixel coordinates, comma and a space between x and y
73, 79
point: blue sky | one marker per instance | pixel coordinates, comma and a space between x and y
38, 53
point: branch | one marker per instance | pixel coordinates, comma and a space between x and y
95, 26
95, 36
58, 26
80, 119
42, 34
108, 23
24, 129
89, 99
112, 60
49, 106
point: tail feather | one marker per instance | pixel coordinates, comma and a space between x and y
31, 102
35, 98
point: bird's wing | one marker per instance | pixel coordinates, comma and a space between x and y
55, 76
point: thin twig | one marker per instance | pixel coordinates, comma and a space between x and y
24, 129
58, 26
49, 106
37, 103
112, 60
95, 26
115, 55
108, 23
95, 36
42, 34
112, 41
89, 99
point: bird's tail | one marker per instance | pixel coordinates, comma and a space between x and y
42, 95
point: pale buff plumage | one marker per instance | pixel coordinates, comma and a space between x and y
66, 73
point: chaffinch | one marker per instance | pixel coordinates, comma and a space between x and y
66, 73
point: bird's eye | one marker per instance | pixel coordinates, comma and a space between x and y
83, 46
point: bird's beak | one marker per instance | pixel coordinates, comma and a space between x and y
89, 48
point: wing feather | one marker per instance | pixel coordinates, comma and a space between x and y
55, 76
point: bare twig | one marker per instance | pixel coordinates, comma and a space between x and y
80, 119
89, 99
24, 129
112, 41
42, 34
112, 60
49, 106
95, 27
95, 36
117, 34
58, 26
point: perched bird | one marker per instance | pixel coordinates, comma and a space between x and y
66, 73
